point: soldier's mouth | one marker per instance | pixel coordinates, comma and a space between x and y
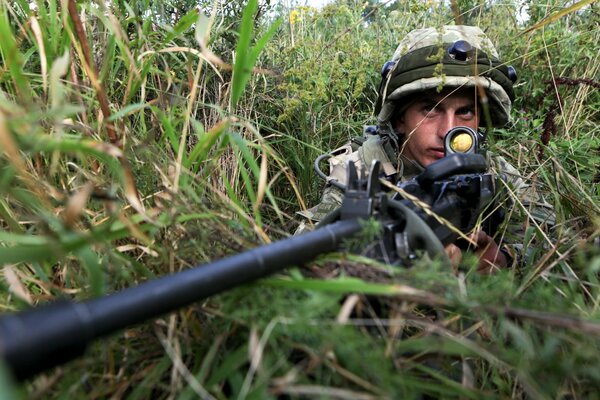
437, 152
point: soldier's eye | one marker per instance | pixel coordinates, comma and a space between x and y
466, 111
429, 108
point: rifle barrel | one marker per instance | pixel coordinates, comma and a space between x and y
39, 339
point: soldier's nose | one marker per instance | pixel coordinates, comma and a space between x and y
447, 123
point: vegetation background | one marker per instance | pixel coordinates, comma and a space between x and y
141, 138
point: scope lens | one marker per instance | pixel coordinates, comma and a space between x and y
461, 142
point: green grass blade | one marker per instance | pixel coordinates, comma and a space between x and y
207, 140
558, 15
13, 58
183, 24
243, 67
29, 253
8, 388
125, 111
262, 42
93, 267
230, 364
340, 285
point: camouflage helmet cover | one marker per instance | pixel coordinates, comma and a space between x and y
419, 65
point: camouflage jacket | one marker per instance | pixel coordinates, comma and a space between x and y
522, 202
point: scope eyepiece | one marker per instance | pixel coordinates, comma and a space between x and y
462, 140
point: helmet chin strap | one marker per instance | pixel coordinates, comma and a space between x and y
386, 129
398, 139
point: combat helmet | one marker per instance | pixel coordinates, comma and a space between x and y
448, 57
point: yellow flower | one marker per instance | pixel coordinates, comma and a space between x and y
294, 17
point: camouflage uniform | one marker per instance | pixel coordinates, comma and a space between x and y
395, 167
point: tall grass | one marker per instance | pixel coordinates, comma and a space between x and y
139, 139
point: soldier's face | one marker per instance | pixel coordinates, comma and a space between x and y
425, 123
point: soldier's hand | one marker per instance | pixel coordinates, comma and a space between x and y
455, 255
490, 256
488, 252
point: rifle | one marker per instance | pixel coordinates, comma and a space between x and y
455, 187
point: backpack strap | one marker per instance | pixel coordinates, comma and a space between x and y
374, 149
362, 150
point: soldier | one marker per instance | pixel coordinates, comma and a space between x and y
436, 80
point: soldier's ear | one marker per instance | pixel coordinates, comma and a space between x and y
398, 123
